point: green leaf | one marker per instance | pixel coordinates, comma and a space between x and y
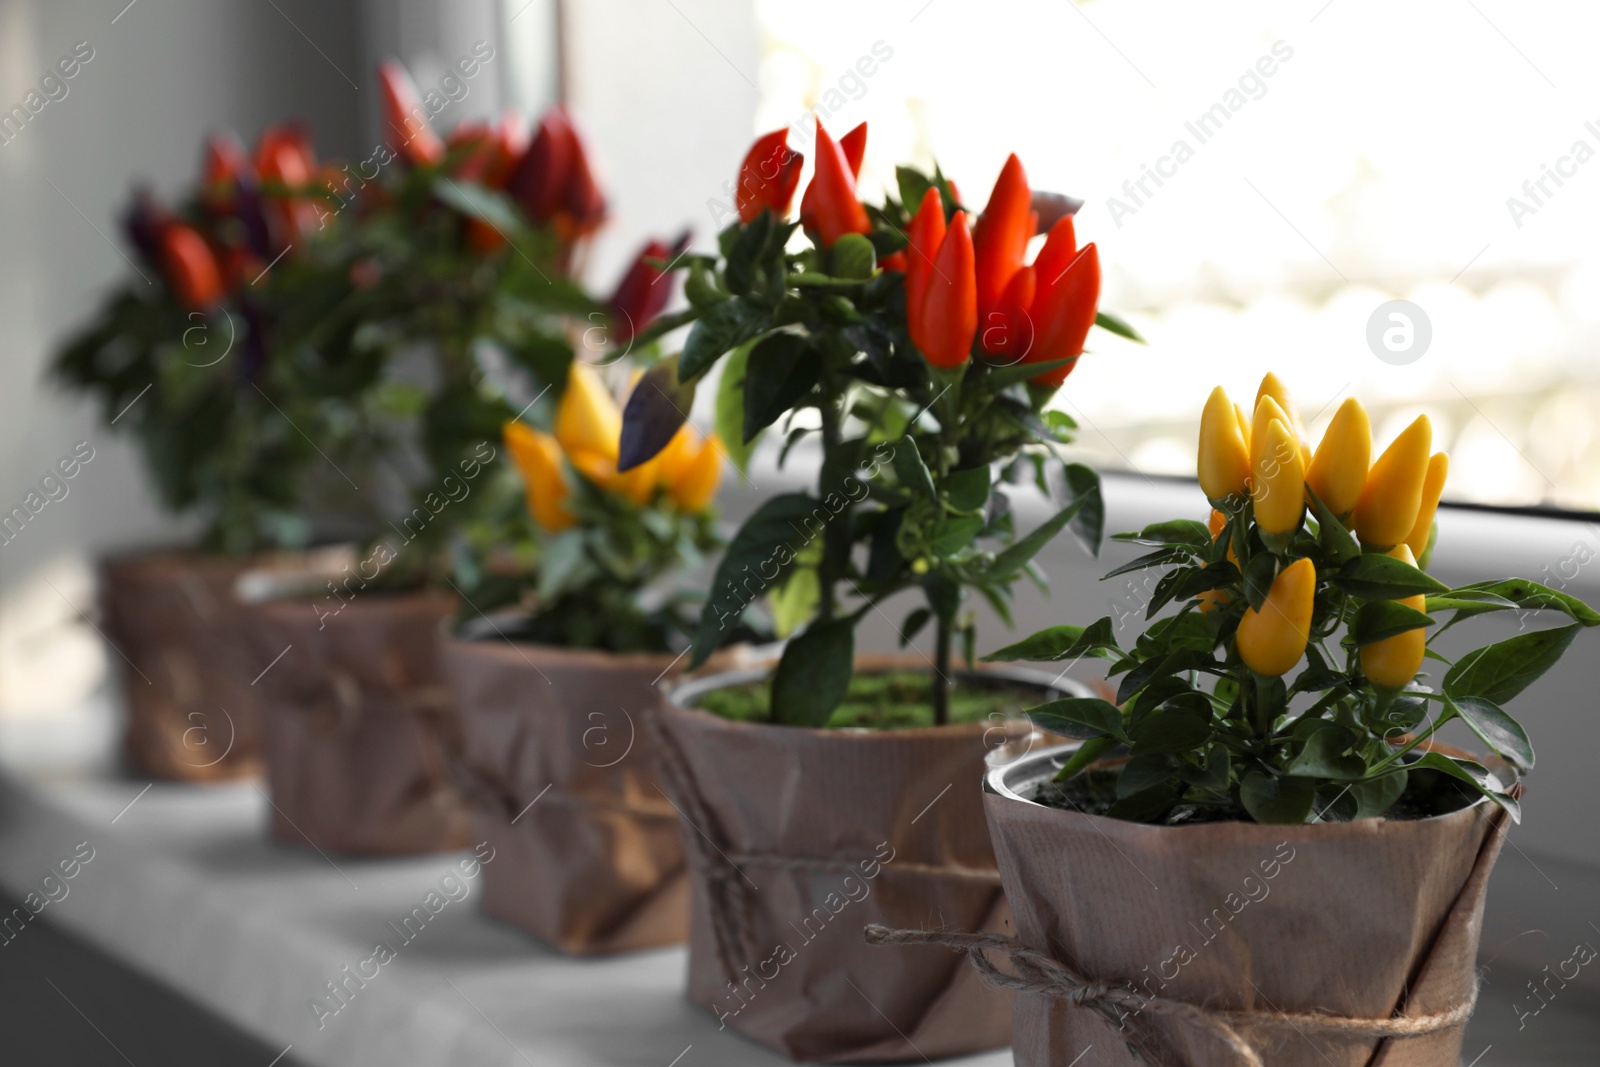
757, 558
1403, 715
1326, 755
793, 602
1375, 576
720, 328
1475, 775
1062, 642
1500, 671
475, 201
954, 534
560, 559
702, 288
1277, 800
852, 256
967, 490
913, 186
1529, 595
1086, 753
1079, 718
1107, 321
1148, 805
1008, 563
730, 410
656, 409
1499, 731
1083, 489
915, 621
1375, 796
1170, 731
1379, 619
912, 472
785, 368
1011, 374
1259, 574
1172, 532
1332, 535
664, 325
751, 247
1161, 557
814, 674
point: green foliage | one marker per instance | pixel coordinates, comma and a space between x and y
914, 490
342, 388
1205, 737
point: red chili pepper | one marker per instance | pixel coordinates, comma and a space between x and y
768, 177
854, 147
830, 208
644, 290
405, 120
553, 181
946, 318
1060, 249
1008, 328
284, 155
285, 161
1064, 312
1000, 239
190, 268
924, 236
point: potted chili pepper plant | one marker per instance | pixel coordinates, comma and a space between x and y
1257, 853
866, 342
460, 308
551, 687
187, 358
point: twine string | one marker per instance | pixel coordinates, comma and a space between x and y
1037, 972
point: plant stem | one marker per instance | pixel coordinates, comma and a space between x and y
1444, 717
828, 570
941, 671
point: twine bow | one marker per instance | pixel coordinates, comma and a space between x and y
1037, 972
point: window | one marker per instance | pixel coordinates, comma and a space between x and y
1262, 185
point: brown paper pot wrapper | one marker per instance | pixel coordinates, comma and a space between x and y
799, 837
556, 760
185, 663
359, 725
1364, 920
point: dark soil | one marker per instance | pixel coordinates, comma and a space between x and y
896, 700
1428, 793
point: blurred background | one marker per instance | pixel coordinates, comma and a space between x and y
1265, 182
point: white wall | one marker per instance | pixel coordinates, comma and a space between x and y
162, 74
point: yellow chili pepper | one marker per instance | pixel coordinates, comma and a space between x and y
1273, 386
1224, 465
1267, 409
691, 468
1212, 599
1279, 484
1244, 425
588, 419
636, 485
1432, 489
1215, 524
1271, 641
1392, 497
1338, 471
538, 457
1395, 661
